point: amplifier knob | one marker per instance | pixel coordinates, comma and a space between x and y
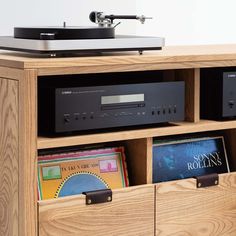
175, 109
66, 118
231, 104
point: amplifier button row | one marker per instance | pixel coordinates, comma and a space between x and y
164, 111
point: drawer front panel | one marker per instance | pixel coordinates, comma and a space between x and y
182, 209
131, 212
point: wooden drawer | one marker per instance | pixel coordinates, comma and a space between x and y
131, 212
182, 209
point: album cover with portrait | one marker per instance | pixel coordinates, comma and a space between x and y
73, 173
188, 158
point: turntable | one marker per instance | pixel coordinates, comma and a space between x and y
63, 40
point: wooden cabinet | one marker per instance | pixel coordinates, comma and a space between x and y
170, 208
131, 212
183, 209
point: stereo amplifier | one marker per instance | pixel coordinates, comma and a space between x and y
95, 107
218, 93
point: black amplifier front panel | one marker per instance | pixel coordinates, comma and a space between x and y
98, 107
229, 94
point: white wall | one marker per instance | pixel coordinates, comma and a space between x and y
173, 19
54, 12
179, 21
215, 21
191, 21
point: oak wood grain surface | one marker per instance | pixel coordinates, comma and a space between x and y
140, 160
191, 77
182, 209
130, 213
11, 73
28, 154
174, 129
9, 170
194, 56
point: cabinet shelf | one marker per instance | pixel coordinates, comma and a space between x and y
173, 129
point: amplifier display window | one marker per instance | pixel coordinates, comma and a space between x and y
116, 99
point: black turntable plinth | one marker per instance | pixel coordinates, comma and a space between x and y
59, 33
64, 40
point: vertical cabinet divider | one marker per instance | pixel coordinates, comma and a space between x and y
140, 160
192, 92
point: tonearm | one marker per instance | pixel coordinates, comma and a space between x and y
107, 20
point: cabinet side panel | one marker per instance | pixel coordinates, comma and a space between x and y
28, 154
8, 157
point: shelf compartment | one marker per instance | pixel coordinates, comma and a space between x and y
183, 209
173, 129
131, 212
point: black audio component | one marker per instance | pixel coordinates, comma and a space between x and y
218, 93
95, 107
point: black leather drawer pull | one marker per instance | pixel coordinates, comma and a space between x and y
207, 180
99, 196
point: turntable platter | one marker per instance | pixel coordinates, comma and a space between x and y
57, 33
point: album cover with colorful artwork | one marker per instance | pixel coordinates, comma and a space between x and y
73, 173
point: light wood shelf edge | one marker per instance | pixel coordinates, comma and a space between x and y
177, 128
134, 67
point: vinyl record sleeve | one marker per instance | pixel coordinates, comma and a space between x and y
188, 158
72, 173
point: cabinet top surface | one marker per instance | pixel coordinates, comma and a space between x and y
170, 54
